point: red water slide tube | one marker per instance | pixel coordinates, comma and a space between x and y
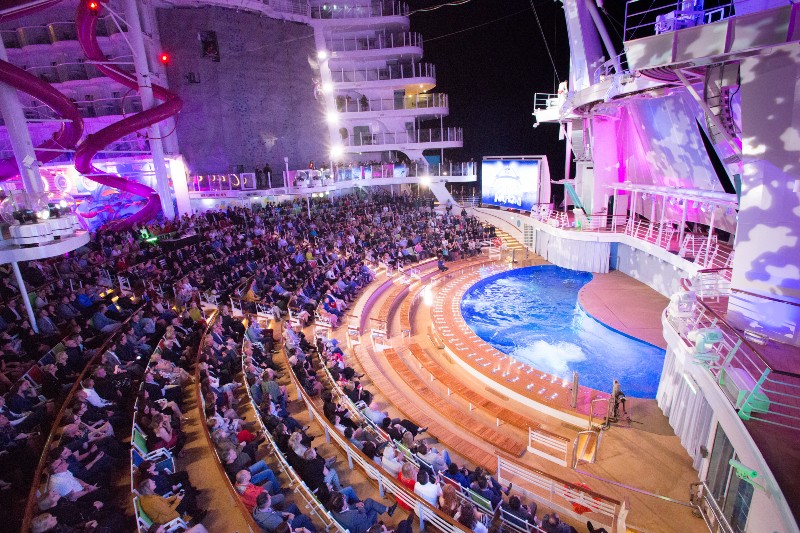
65, 138
87, 24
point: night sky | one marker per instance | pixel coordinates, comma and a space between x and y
491, 72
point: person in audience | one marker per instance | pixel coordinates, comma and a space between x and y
269, 519
449, 501
466, 516
161, 509
67, 485
518, 513
427, 489
360, 517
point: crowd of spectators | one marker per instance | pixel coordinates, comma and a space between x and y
274, 257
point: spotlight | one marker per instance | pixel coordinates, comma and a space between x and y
94, 7
322, 55
337, 151
327, 87
332, 117
164, 58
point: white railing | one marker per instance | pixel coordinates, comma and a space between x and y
756, 389
379, 42
342, 10
616, 65
561, 494
643, 19
293, 7
704, 501
417, 101
546, 101
401, 71
320, 178
548, 445
406, 137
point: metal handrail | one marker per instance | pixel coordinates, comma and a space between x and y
381, 41
344, 11
416, 101
704, 502
402, 71
406, 137
674, 15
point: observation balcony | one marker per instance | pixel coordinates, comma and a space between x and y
342, 177
67, 72
382, 8
435, 104
377, 46
431, 138
55, 33
420, 76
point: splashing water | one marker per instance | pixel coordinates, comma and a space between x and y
532, 314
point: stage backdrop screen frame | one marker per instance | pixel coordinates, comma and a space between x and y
515, 182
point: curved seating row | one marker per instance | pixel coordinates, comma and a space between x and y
299, 486
464, 494
201, 404
53, 438
386, 483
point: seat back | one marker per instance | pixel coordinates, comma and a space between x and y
139, 441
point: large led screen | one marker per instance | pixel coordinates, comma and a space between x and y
512, 183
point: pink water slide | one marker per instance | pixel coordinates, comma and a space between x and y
87, 37
65, 138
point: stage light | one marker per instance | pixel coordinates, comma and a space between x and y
332, 117
337, 151
164, 58
94, 7
327, 87
425, 180
322, 55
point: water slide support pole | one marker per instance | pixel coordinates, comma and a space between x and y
146, 91
17, 127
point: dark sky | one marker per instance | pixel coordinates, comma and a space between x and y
491, 72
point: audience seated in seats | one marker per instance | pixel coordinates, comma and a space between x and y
269, 519
427, 489
282, 259
466, 516
360, 517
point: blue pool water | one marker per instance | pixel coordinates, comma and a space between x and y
533, 315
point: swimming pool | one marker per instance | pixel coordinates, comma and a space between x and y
533, 315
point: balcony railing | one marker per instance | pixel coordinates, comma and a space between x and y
392, 72
54, 32
616, 65
378, 42
293, 7
695, 247
319, 178
91, 108
62, 31
546, 101
374, 9
756, 389
406, 137
643, 19
10, 39
417, 101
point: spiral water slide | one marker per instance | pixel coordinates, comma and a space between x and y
65, 138
87, 37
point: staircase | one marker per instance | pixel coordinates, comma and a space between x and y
721, 83
585, 447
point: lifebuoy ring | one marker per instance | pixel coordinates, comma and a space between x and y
497, 242
578, 507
